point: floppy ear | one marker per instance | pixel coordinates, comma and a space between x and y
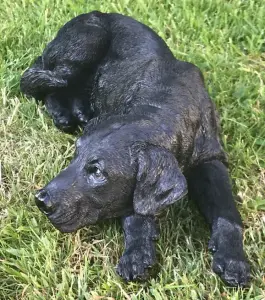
159, 181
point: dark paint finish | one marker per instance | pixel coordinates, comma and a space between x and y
140, 234
150, 130
209, 186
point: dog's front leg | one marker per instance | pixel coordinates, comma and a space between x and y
140, 234
210, 188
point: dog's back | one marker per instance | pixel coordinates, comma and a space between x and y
113, 64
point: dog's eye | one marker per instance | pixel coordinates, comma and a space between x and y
96, 173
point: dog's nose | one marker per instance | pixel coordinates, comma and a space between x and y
44, 202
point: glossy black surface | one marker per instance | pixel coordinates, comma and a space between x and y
150, 129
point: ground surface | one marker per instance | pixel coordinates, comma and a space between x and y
226, 40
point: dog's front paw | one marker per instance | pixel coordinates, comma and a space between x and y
136, 260
233, 269
229, 260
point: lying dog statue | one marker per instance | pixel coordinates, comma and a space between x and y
151, 134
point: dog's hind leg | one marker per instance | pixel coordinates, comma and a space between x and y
81, 111
68, 111
59, 108
209, 186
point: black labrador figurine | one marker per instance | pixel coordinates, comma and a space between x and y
150, 136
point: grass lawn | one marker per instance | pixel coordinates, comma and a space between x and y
226, 40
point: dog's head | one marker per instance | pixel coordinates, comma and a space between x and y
111, 176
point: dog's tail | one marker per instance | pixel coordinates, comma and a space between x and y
36, 82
